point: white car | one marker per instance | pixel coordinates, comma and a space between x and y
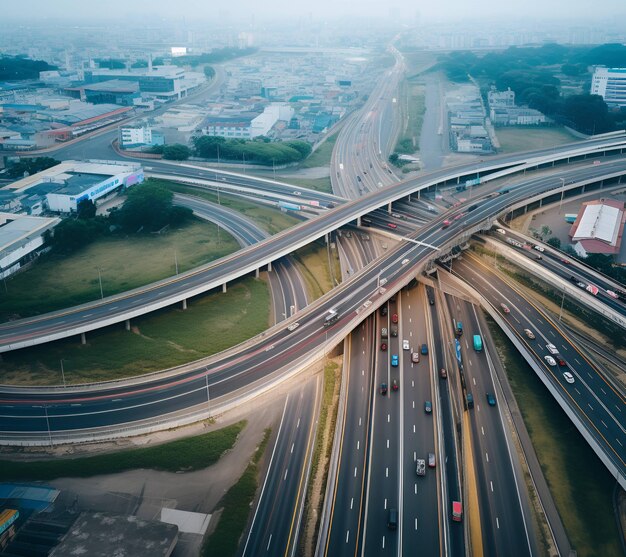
500, 231
405, 261
550, 360
405, 345
297, 193
293, 326
612, 294
552, 349
540, 248
529, 334
568, 377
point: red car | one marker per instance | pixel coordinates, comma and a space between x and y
560, 361
446, 223
383, 346
392, 225
394, 318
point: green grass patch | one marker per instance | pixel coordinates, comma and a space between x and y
212, 323
314, 266
272, 220
186, 455
580, 484
236, 505
321, 156
413, 107
60, 281
513, 139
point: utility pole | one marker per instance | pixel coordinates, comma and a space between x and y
62, 372
100, 281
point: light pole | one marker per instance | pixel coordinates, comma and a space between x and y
45, 409
561, 310
100, 281
562, 193
208, 394
176, 261
274, 168
62, 372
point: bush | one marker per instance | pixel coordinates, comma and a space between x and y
176, 152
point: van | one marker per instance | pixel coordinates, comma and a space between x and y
470, 400
552, 349
392, 519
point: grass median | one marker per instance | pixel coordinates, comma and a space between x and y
321, 155
580, 484
236, 506
184, 455
513, 139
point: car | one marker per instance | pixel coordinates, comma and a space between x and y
383, 332
539, 248
551, 348
491, 400
612, 294
392, 519
505, 308
405, 345
392, 225
383, 389
383, 346
394, 360
383, 310
565, 261
428, 406
394, 330
529, 334
446, 223
501, 231
394, 318
457, 217
405, 261
469, 398
431, 460
415, 357
443, 373
581, 285
293, 326
420, 467
550, 360
394, 385
561, 362
297, 193
424, 350
397, 216
568, 377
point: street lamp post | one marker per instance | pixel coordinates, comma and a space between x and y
176, 261
208, 394
100, 281
562, 193
561, 310
62, 372
45, 409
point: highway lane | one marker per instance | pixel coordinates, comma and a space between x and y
347, 506
502, 492
420, 495
598, 405
276, 520
118, 308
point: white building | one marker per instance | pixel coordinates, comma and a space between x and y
135, 136
69, 183
501, 99
248, 126
610, 84
21, 240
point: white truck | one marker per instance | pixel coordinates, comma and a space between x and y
420, 468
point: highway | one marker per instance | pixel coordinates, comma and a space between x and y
276, 521
115, 309
595, 402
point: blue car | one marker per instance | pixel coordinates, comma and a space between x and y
394, 360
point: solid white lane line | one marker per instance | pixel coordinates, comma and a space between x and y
285, 477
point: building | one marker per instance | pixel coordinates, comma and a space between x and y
501, 99
610, 84
247, 125
132, 138
599, 227
62, 187
22, 239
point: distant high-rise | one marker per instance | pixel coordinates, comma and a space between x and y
610, 84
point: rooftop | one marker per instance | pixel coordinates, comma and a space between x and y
76, 182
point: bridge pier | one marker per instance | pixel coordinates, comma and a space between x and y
224, 287
83, 338
185, 303
256, 273
326, 238
269, 267
389, 207
127, 324
358, 221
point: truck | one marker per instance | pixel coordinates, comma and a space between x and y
457, 511
286, 206
459, 328
420, 467
478, 343
592, 289
331, 317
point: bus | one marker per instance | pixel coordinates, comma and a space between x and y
478, 343
331, 317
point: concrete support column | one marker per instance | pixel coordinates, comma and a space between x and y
224, 287
269, 267
127, 323
326, 238
389, 207
83, 338
185, 303
256, 273
358, 221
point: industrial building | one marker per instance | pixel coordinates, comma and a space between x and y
65, 185
22, 239
247, 125
610, 84
599, 227
138, 137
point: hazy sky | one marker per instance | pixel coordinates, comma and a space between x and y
265, 9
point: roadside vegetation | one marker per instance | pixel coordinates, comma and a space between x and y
317, 184
183, 455
212, 322
580, 484
514, 139
412, 106
236, 506
316, 268
321, 156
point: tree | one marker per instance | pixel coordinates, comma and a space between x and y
545, 231
14, 68
554, 242
176, 152
31, 166
393, 158
73, 233
209, 72
86, 209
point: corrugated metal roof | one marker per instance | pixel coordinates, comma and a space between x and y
599, 222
